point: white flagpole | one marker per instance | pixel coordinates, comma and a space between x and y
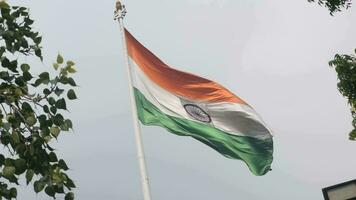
119, 15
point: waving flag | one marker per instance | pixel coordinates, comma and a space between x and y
189, 105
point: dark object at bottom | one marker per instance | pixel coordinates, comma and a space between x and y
342, 191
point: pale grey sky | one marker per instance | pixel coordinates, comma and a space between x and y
272, 53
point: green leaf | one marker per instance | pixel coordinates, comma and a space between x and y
71, 70
70, 63
352, 134
55, 66
51, 101
13, 193
13, 66
69, 196
61, 104
47, 138
3, 4
55, 131
20, 165
53, 157
37, 82
8, 171
62, 165
2, 160
18, 92
49, 191
70, 183
15, 137
71, 82
28, 21
31, 120
69, 123
59, 59
71, 94
20, 81
38, 53
13, 179
53, 109
44, 77
38, 40
27, 76
58, 91
45, 109
46, 91
29, 175
5, 62
26, 107
58, 120
25, 67
38, 186
5, 75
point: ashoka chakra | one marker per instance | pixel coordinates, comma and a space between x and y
197, 113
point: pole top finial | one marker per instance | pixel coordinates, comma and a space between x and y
120, 11
118, 5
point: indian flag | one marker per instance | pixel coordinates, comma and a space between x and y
189, 105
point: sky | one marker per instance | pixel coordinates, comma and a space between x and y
273, 54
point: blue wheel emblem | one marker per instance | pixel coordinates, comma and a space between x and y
197, 113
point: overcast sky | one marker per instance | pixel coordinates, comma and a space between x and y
272, 53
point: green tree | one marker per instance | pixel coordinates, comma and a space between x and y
32, 109
334, 5
345, 67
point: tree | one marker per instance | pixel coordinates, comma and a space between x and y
345, 66
334, 5
32, 110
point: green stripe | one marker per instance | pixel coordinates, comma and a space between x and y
256, 153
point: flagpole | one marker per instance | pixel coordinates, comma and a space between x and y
120, 13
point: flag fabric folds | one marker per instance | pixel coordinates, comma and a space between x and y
189, 105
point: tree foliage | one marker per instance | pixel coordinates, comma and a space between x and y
345, 67
334, 5
32, 109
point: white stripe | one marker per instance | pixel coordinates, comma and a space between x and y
162, 99
234, 118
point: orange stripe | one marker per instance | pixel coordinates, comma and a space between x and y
177, 82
